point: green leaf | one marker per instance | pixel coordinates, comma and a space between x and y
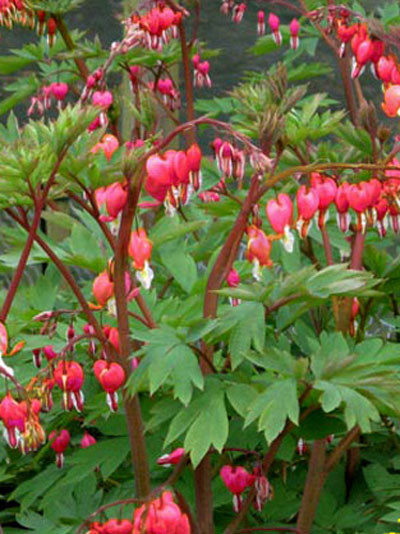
249, 330
206, 421
170, 228
29, 491
181, 265
10, 64
333, 351
358, 410
85, 249
338, 280
241, 396
167, 360
273, 406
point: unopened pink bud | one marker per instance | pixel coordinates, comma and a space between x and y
87, 440
233, 278
49, 352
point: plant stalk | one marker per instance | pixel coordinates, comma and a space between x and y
132, 404
312, 490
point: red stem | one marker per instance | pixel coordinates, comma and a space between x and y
344, 65
21, 264
191, 138
358, 249
67, 276
327, 246
229, 251
203, 473
79, 62
94, 212
39, 205
341, 448
132, 404
312, 490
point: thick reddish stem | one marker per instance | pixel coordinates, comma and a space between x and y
312, 490
345, 67
203, 473
132, 404
327, 246
358, 249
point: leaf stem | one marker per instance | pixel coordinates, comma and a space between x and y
79, 62
40, 202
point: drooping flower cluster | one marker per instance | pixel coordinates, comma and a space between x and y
21, 423
365, 49
366, 204
368, 49
170, 94
161, 515
152, 30
238, 10
173, 176
231, 160
20, 12
43, 99
22, 427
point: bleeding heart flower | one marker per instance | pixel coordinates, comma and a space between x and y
59, 442
274, 23
260, 23
258, 249
111, 377
103, 288
69, 376
307, 207
342, 206
172, 458
294, 28
236, 479
13, 418
391, 104
161, 515
102, 99
139, 250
